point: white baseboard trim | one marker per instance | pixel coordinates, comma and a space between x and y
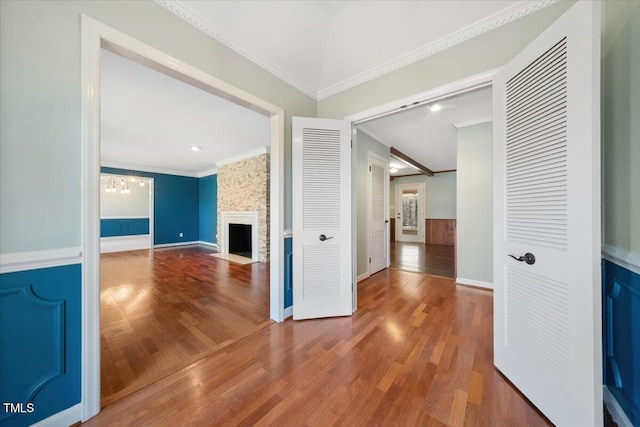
622, 257
63, 418
169, 245
363, 276
125, 243
475, 283
615, 409
203, 243
288, 312
23, 261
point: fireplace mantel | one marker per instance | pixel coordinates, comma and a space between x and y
247, 218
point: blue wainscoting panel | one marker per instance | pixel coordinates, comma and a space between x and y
288, 272
621, 327
40, 342
124, 227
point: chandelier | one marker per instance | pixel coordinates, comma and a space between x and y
121, 184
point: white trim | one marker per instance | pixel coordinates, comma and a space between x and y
624, 258
94, 36
616, 411
66, 417
473, 122
208, 172
176, 244
502, 17
474, 82
288, 233
480, 27
476, 283
125, 217
363, 276
288, 312
204, 25
245, 218
24, 261
421, 188
125, 243
243, 156
143, 168
203, 243
371, 157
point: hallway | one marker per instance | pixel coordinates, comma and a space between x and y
436, 260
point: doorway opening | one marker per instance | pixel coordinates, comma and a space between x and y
97, 36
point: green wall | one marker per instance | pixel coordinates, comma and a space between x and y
364, 144
40, 106
621, 125
474, 250
440, 197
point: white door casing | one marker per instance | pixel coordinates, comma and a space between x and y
547, 315
321, 196
401, 234
377, 220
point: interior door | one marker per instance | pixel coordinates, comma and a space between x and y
322, 241
378, 221
547, 316
410, 207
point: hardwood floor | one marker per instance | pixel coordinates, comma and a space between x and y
164, 309
437, 260
417, 352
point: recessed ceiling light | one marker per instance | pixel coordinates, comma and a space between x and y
435, 107
393, 170
196, 148
395, 165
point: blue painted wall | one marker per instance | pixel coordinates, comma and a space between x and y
208, 215
621, 329
124, 227
175, 206
40, 340
288, 272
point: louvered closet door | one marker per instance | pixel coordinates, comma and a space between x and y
321, 218
546, 203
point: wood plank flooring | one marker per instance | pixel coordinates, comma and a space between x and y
417, 352
164, 309
438, 260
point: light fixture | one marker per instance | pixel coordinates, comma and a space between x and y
196, 148
435, 107
393, 170
113, 184
142, 183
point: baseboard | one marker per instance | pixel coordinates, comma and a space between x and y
474, 283
624, 258
169, 245
203, 243
125, 243
23, 261
67, 417
615, 409
288, 312
363, 276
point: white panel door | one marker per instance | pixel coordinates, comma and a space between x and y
322, 271
547, 316
378, 208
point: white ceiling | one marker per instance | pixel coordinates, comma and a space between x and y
429, 137
150, 120
325, 47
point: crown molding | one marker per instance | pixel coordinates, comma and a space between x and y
372, 134
243, 156
152, 169
482, 26
208, 172
203, 24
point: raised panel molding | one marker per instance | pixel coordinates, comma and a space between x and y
33, 330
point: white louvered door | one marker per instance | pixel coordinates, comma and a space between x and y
547, 327
378, 220
322, 271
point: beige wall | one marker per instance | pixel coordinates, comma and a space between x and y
243, 186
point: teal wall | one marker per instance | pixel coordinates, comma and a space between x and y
621, 125
208, 212
40, 106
